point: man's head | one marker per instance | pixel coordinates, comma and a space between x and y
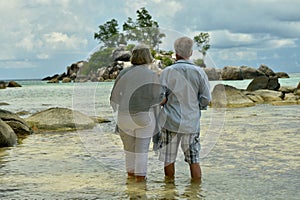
183, 47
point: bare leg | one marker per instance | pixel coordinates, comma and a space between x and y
169, 170
140, 178
196, 173
130, 175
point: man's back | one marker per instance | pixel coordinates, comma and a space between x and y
187, 91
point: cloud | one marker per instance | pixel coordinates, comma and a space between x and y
57, 40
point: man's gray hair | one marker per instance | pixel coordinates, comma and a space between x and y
184, 47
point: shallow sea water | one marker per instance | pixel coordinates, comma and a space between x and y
254, 153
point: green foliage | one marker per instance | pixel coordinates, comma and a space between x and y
129, 47
101, 58
167, 61
202, 42
199, 62
108, 34
165, 57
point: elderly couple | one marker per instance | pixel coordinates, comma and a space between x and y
170, 105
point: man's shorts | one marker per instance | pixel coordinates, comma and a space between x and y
169, 143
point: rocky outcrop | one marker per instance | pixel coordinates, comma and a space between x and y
240, 73
59, 119
18, 128
4, 85
228, 96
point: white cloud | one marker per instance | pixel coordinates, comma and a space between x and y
57, 40
42, 56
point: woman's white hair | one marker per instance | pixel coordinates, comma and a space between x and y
184, 47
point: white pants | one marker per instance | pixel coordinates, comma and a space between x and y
136, 131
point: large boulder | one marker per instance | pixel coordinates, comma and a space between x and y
250, 72
13, 84
269, 95
263, 82
120, 54
266, 70
282, 75
232, 73
229, 96
213, 73
60, 119
8, 137
18, 124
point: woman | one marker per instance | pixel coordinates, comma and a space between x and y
135, 94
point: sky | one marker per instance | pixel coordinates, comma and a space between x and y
40, 38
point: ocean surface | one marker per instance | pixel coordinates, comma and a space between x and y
247, 153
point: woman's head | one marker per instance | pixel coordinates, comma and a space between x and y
184, 47
141, 55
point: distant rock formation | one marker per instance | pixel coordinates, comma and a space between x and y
121, 60
4, 85
228, 96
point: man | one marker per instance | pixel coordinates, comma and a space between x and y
187, 92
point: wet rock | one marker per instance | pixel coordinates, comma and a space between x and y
60, 119
8, 137
18, 124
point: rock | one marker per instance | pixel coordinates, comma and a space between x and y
297, 90
98, 119
54, 80
60, 119
8, 137
228, 96
282, 75
48, 78
62, 76
266, 70
4, 104
213, 73
250, 72
13, 84
287, 89
18, 124
232, 73
258, 83
120, 54
273, 83
2, 85
269, 95
66, 80
263, 82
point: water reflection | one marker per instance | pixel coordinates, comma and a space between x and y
136, 190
